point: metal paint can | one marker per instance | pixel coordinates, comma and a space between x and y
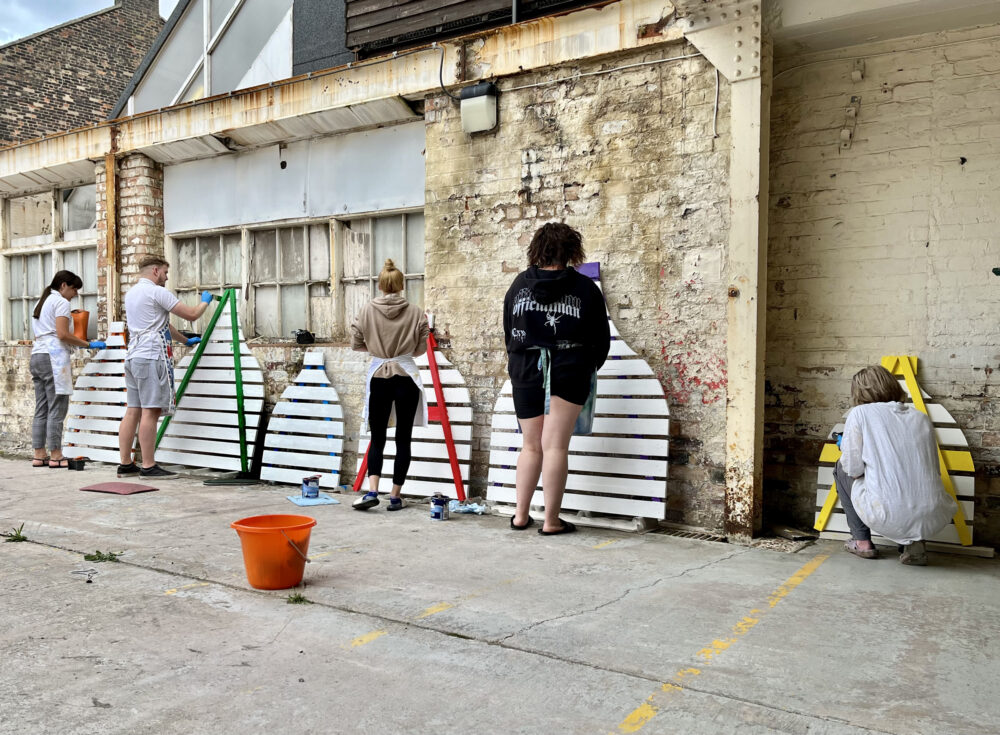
310, 486
439, 508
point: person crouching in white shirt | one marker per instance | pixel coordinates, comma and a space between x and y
888, 476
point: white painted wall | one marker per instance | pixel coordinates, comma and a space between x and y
341, 175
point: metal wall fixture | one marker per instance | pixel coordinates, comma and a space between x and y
479, 107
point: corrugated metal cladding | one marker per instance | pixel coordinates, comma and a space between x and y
377, 26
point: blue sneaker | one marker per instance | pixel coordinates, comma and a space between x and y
395, 503
368, 500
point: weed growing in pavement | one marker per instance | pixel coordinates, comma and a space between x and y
15, 535
101, 556
297, 599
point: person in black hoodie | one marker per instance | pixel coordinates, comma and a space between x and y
557, 335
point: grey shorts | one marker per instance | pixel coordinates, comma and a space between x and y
147, 383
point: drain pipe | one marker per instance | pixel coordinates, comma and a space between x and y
513, 11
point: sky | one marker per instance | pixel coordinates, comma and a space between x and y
20, 18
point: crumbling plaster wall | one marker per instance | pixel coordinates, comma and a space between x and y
630, 159
884, 248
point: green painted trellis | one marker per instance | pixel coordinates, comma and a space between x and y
228, 298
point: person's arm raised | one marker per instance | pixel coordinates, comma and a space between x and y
193, 313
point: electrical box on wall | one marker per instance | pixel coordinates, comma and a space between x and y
479, 107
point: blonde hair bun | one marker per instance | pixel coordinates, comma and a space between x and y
389, 265
390, 280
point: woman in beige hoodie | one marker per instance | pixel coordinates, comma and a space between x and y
393, 332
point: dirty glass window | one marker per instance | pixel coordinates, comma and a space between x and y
205, 263
366, 245
29, 273
79, 208
290, 278
31, 219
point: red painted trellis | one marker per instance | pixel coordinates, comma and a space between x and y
438, 413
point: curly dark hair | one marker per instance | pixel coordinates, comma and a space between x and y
556, 243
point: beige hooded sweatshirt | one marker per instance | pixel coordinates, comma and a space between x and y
387, 327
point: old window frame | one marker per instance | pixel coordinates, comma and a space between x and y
56, 244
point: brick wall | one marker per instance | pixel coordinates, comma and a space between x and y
73, 74
629, 158
885, 248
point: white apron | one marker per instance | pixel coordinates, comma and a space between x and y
59, 356
410, 366
159, 338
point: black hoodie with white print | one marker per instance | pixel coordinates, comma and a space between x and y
561, 310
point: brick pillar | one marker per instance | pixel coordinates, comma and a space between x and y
140, 213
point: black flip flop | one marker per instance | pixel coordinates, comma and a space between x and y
567, 527
59, 463
44, 462
531, 522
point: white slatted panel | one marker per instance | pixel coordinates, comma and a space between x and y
949, 435
430, 470
621, 469
204, 432
305, 433
98, 403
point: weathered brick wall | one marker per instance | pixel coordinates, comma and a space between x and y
885, 248
628, 158
73, 74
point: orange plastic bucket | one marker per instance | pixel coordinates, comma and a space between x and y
275, 549
81, 322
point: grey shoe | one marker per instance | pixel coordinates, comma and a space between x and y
156, 472
914, 555
124, 470
368, 500
852, 546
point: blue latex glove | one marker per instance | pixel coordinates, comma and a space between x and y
97, 345
840, 438
206, 296
192, 341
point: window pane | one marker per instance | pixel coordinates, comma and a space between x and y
90, 304
211, 261
293, 309
79, 208
232, 244
17, 319
319, 252
356, 295
47, 272
71, 261
415, 291
357, 250
292, 242
388, 242
263, 257
196, 89
243, 40
266, 311
16, 275
320, 310
34, 276
220, 8
174, 61
414, 243
187, 263
31, 215
89, 274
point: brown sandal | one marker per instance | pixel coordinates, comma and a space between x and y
852, 547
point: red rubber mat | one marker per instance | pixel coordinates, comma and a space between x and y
119, 488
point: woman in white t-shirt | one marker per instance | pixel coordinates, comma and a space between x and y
888, 476
50, 366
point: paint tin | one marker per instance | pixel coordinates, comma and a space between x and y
439, 508
310, 486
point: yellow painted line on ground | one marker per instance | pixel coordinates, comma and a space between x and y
606, 543
646, 711
175, 590
367, 638
435, 609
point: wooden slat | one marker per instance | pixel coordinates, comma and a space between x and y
201, 431
305, 426
97, 381
312, 377
247, 362
426, 450
313, 358
423, 469
250, 390
192, 459
594, 484
203, 446
624, 367
620, 349
95, 453
99, 425
608, 406
453, 397
419, 487
307, 392
317, 410
329, 445
105, 368
98, 396
607, 466
86, 439
591, 503
628, 427
459, 432
297, 459
621, 445
215, 375
218, 418
113, 411
958, 461
225, 405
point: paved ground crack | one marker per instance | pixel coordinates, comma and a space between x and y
622, 596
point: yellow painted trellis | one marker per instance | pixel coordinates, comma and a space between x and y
905, 366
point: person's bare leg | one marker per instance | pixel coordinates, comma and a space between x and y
529, 467
396, 490
147, 435
556, 433
126, 434
373, 483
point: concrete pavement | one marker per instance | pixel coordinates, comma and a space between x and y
419, 626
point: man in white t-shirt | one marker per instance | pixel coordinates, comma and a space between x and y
148, 364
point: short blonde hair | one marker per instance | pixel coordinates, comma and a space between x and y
390, 280
874, 384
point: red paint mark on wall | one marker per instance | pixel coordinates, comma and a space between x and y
691, 372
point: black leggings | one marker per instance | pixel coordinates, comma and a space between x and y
404, 393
